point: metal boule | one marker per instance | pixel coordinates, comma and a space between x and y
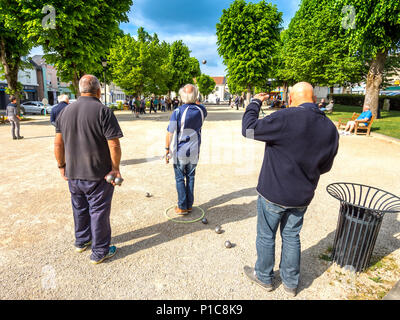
204, 221
110, 178
218, 229
228, 244
118, 181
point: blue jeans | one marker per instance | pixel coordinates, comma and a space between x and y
268, 219
185, 188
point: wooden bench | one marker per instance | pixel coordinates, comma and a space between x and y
343, 122
364, 130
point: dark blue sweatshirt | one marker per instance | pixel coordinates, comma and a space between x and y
55, 111
300, 145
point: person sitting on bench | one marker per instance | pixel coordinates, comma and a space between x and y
364, 118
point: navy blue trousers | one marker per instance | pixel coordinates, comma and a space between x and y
91, 205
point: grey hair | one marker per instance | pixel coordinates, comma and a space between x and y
190, 97
89, 84
63, 97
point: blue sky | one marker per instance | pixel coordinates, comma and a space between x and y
191, 21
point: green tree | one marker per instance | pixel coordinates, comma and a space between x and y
314, 48
139, 65
82, 35
14, 44
206, 84
247, 36
183, 69
373, 32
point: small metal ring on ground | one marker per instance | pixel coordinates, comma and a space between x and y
184, 221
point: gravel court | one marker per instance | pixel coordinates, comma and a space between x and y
157, 258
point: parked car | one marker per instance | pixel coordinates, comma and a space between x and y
35, 107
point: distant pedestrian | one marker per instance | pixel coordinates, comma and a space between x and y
143, 106
241, 101
163, 104
63, 101
237, 102
152, 106
156, 103
87, 149
169, 104
13, 118
176, 102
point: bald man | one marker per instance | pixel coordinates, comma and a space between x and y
300, 145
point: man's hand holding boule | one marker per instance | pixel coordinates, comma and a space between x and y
115, 174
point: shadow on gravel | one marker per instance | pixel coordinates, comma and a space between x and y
138, 161
169, 230
41, 137
312, 267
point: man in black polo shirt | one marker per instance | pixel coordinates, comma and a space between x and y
300, 145
87, 149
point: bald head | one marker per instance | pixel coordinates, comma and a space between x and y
301, 92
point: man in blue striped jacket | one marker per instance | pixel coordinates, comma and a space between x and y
183, 145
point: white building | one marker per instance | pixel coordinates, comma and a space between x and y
114, 93
221, 90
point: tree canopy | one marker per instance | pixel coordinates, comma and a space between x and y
374, 35
82, 35
248, 35
183, 69
206, 84
14, 44
314, 48
138, 65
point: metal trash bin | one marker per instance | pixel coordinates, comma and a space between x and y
360, 217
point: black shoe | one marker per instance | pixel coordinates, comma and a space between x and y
19, 138
251, 274
14, 138
290, 291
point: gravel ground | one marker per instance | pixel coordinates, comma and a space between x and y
157, 258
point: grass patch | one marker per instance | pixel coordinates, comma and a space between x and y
377, 280
388, 125
327, 255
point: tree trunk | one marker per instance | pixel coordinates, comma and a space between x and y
374, 81
285, 92
75, 83
248, 95
11, 73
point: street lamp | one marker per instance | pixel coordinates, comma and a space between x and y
104, 64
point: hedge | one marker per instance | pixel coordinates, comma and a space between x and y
358, 100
